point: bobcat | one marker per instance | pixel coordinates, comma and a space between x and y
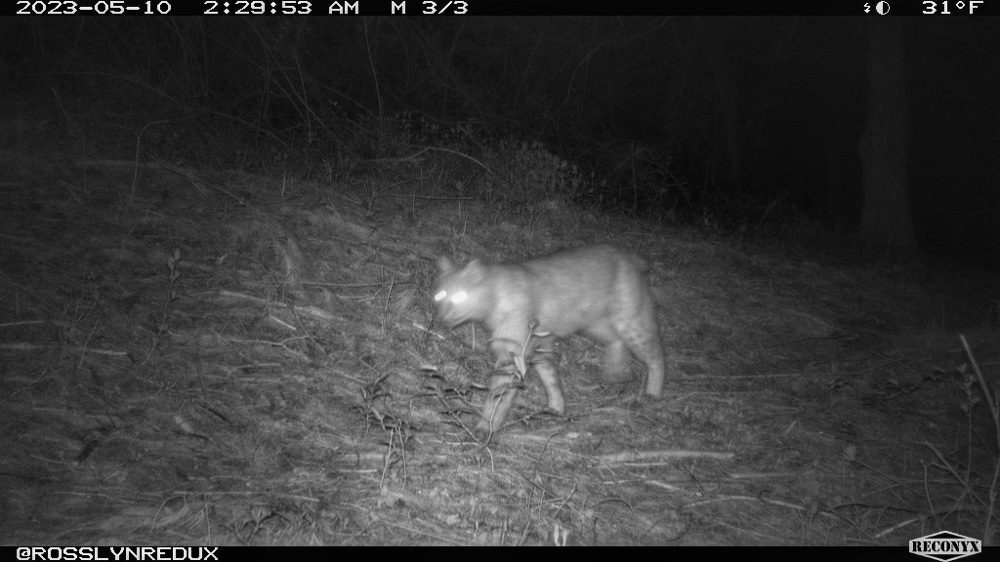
597, 291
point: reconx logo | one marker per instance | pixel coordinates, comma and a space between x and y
945, 546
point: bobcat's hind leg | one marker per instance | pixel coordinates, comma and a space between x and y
651, 353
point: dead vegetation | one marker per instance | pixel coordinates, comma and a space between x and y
216, 357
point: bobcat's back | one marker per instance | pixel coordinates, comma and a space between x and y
582, 290
566, 292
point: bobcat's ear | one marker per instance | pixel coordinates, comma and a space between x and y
475, 270
445, 265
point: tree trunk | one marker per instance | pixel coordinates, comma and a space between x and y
713, 36
886, 219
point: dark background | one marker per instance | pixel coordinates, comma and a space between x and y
740, 122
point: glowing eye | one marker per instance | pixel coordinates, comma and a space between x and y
438, 297
459, 297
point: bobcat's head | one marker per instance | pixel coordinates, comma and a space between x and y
461, 293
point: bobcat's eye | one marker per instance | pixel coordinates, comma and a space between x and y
459, 297
441, 295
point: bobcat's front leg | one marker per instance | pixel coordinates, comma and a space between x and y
506, 346
543, 364
503, 390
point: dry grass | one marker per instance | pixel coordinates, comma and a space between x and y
195, 358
